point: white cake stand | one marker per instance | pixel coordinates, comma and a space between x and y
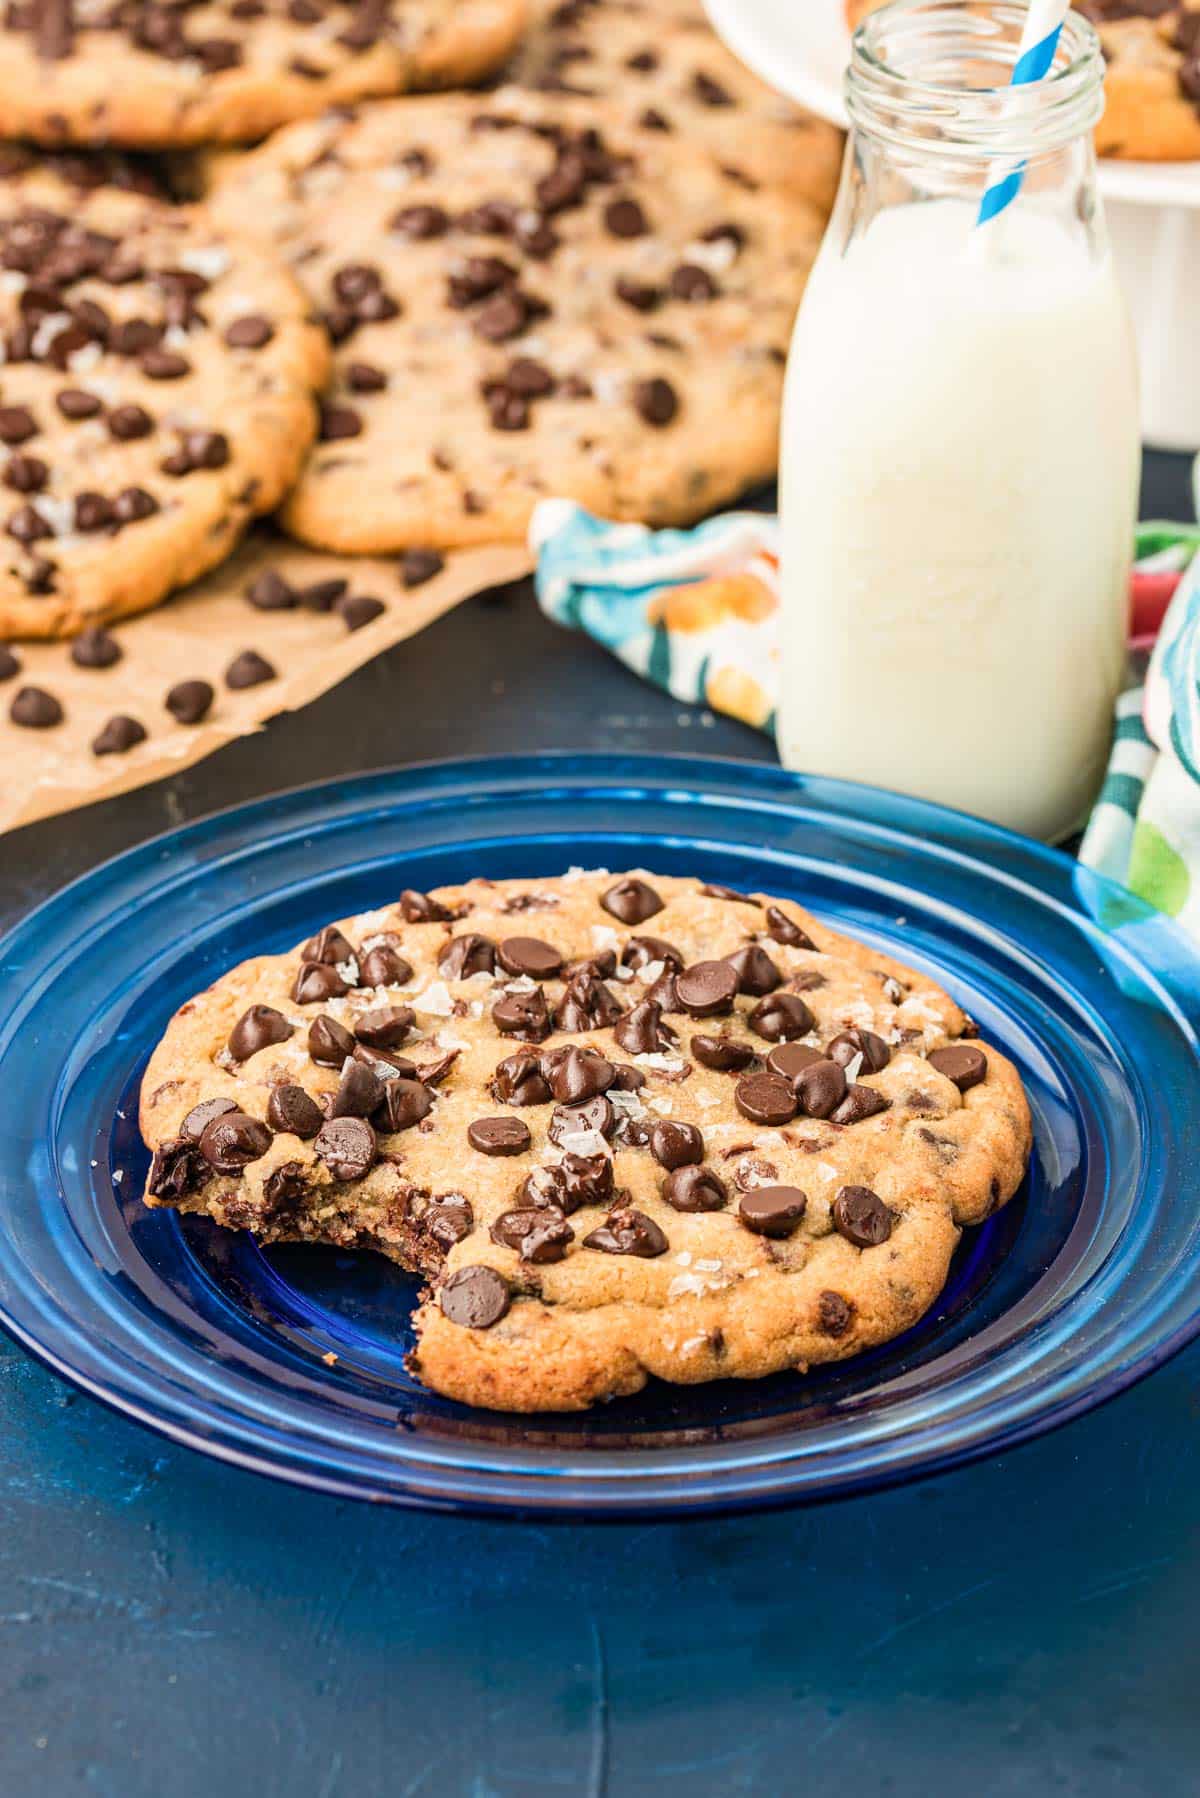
801, 47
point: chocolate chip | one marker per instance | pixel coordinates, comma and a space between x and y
119, 735
178, 1170
860, 1102
772, 1210
860, 1215
17, 424
405, 1103
193, 1124
691, 283
269, 592
164, 365
631, 901
133, 504
250, 332
382, 1063
26, 474
248, 670
198, 450
315, 982
466, 955
641, 1031
756, 972
530, 956
641, 951
126, 423
820, 1086
961, 1063
420, 908
475, 1297
92, 512
330, 946
628, 1232
834, 1314
75, 404
95, 648
625, 218
643, 296
448, 1219
189, 701
707, 988
322, 596
27, 525
364, 377
419, 565
329, 1043
258, 1028
722, 1053
782, 929
9, 665
420, 222
710, 92
781, 1017
283, 1188
765, 1099
538, 1234
676, 1145
575, 1075
873, 1050
359, 1092
232, 1141
523, 1014
383, 966
519, 1080
572, 1120
339, 422
791, 1059
385, 1028
347, 1147
499, 1136
359, 610
293, 1111
36, 709
655, 401
582, 1180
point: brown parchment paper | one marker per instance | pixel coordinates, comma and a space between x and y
196, 635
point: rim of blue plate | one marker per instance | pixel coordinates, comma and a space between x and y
1124, 1316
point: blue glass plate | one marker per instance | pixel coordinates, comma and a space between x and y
1089, 1279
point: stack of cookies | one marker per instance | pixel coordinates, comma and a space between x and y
392, 318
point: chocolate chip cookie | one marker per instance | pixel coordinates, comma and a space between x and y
624, 1124
156, 392
662, 62
528, 296
154, 75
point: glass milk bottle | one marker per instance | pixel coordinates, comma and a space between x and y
960, 449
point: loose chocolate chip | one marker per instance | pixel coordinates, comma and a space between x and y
384, 966
641, 1031
329, 1043
538, 1233
756, 972
530, 956
772, 1210
269, 592
119, 735
499, 1136
250, 332
655, 401
628, 1232
576, 1075
961, 1063
405, 1103
625, 218
781, 1017
126, 423
873, 1050
258, 1028
722, 1053
420, 908
359, 609
248, 670
232, 1141
834, 1314
315, 982
466, 955
194, 1123
448, 1219
418, 566
36, 709
188, 701
330, 946
782, 929
765, 1099
631, 901
791, 1060
75, 404
642, 951
572, 1120
9, 664
820, 1086
707, 988
347, 1147
523, 1014
17, 424
860, 1215
420, 222
95, 648
860, 1102
676, 1145
293, 1111
519, 1080
359, 1093
475, 1297
177, 1170
385, 1028
164, 365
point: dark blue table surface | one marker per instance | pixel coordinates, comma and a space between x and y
170, 1628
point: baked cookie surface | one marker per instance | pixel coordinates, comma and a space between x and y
624, 1124
149, 75
527, 296
664, 64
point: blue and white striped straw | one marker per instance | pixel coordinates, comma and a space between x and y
1039, 41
